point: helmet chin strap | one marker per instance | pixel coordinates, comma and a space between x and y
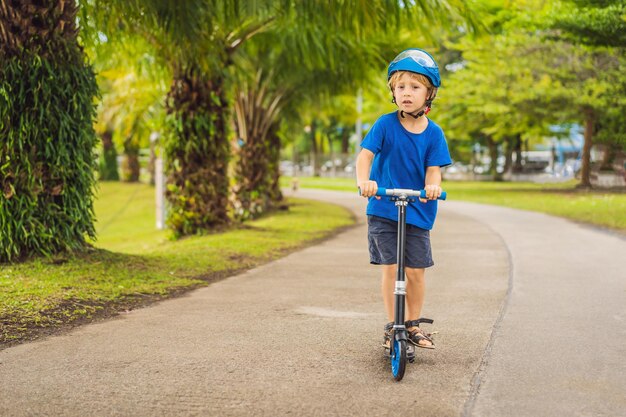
419, 113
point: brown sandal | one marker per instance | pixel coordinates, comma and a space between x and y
387, 337
416, 335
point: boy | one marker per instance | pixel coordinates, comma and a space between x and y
405, 149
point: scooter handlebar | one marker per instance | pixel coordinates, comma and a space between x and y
396, 192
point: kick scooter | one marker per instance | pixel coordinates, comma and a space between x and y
399, 337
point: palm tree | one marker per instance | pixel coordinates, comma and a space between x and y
131, 108
195, 41
256, 110
259, 100
47, 164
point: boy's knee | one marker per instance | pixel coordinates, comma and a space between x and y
415, 274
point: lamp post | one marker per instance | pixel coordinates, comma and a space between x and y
159, 184
359, 125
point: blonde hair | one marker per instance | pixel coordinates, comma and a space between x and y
419, 77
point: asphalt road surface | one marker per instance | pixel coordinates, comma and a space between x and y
530, 311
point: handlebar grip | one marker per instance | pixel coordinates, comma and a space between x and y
441, 197
381, 191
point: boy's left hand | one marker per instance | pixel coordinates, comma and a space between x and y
432, 192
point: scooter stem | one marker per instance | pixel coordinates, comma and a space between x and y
400, 286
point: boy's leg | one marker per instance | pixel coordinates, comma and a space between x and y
415, 292
387, 288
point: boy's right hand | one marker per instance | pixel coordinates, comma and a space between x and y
368, 189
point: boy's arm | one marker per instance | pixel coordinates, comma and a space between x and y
363, 165
433, 183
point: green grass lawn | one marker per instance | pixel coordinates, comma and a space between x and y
133, 263
601, 208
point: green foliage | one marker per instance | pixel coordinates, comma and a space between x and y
598, 67
133, 90
497, 89
47, 162
592, 22
610, 128
524, 77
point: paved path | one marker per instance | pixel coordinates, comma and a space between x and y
520, 299
560, 348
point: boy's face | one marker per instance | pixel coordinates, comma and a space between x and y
410, 94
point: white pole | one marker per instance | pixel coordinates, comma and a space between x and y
159, 182
359, 124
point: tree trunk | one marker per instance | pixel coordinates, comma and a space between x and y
108, 160
197, 153
518, 166
508, 160
493, 159
152, 160
47, 159
273, 140
315, 151
345, 141
251, 171
333, 170
130, 166
585, 171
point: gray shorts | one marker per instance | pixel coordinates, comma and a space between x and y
383, 243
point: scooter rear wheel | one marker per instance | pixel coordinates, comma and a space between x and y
398, 359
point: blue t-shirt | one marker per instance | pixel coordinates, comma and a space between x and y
400, 161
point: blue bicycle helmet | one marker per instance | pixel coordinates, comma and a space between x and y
417, 61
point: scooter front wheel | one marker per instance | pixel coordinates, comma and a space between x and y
398, 359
